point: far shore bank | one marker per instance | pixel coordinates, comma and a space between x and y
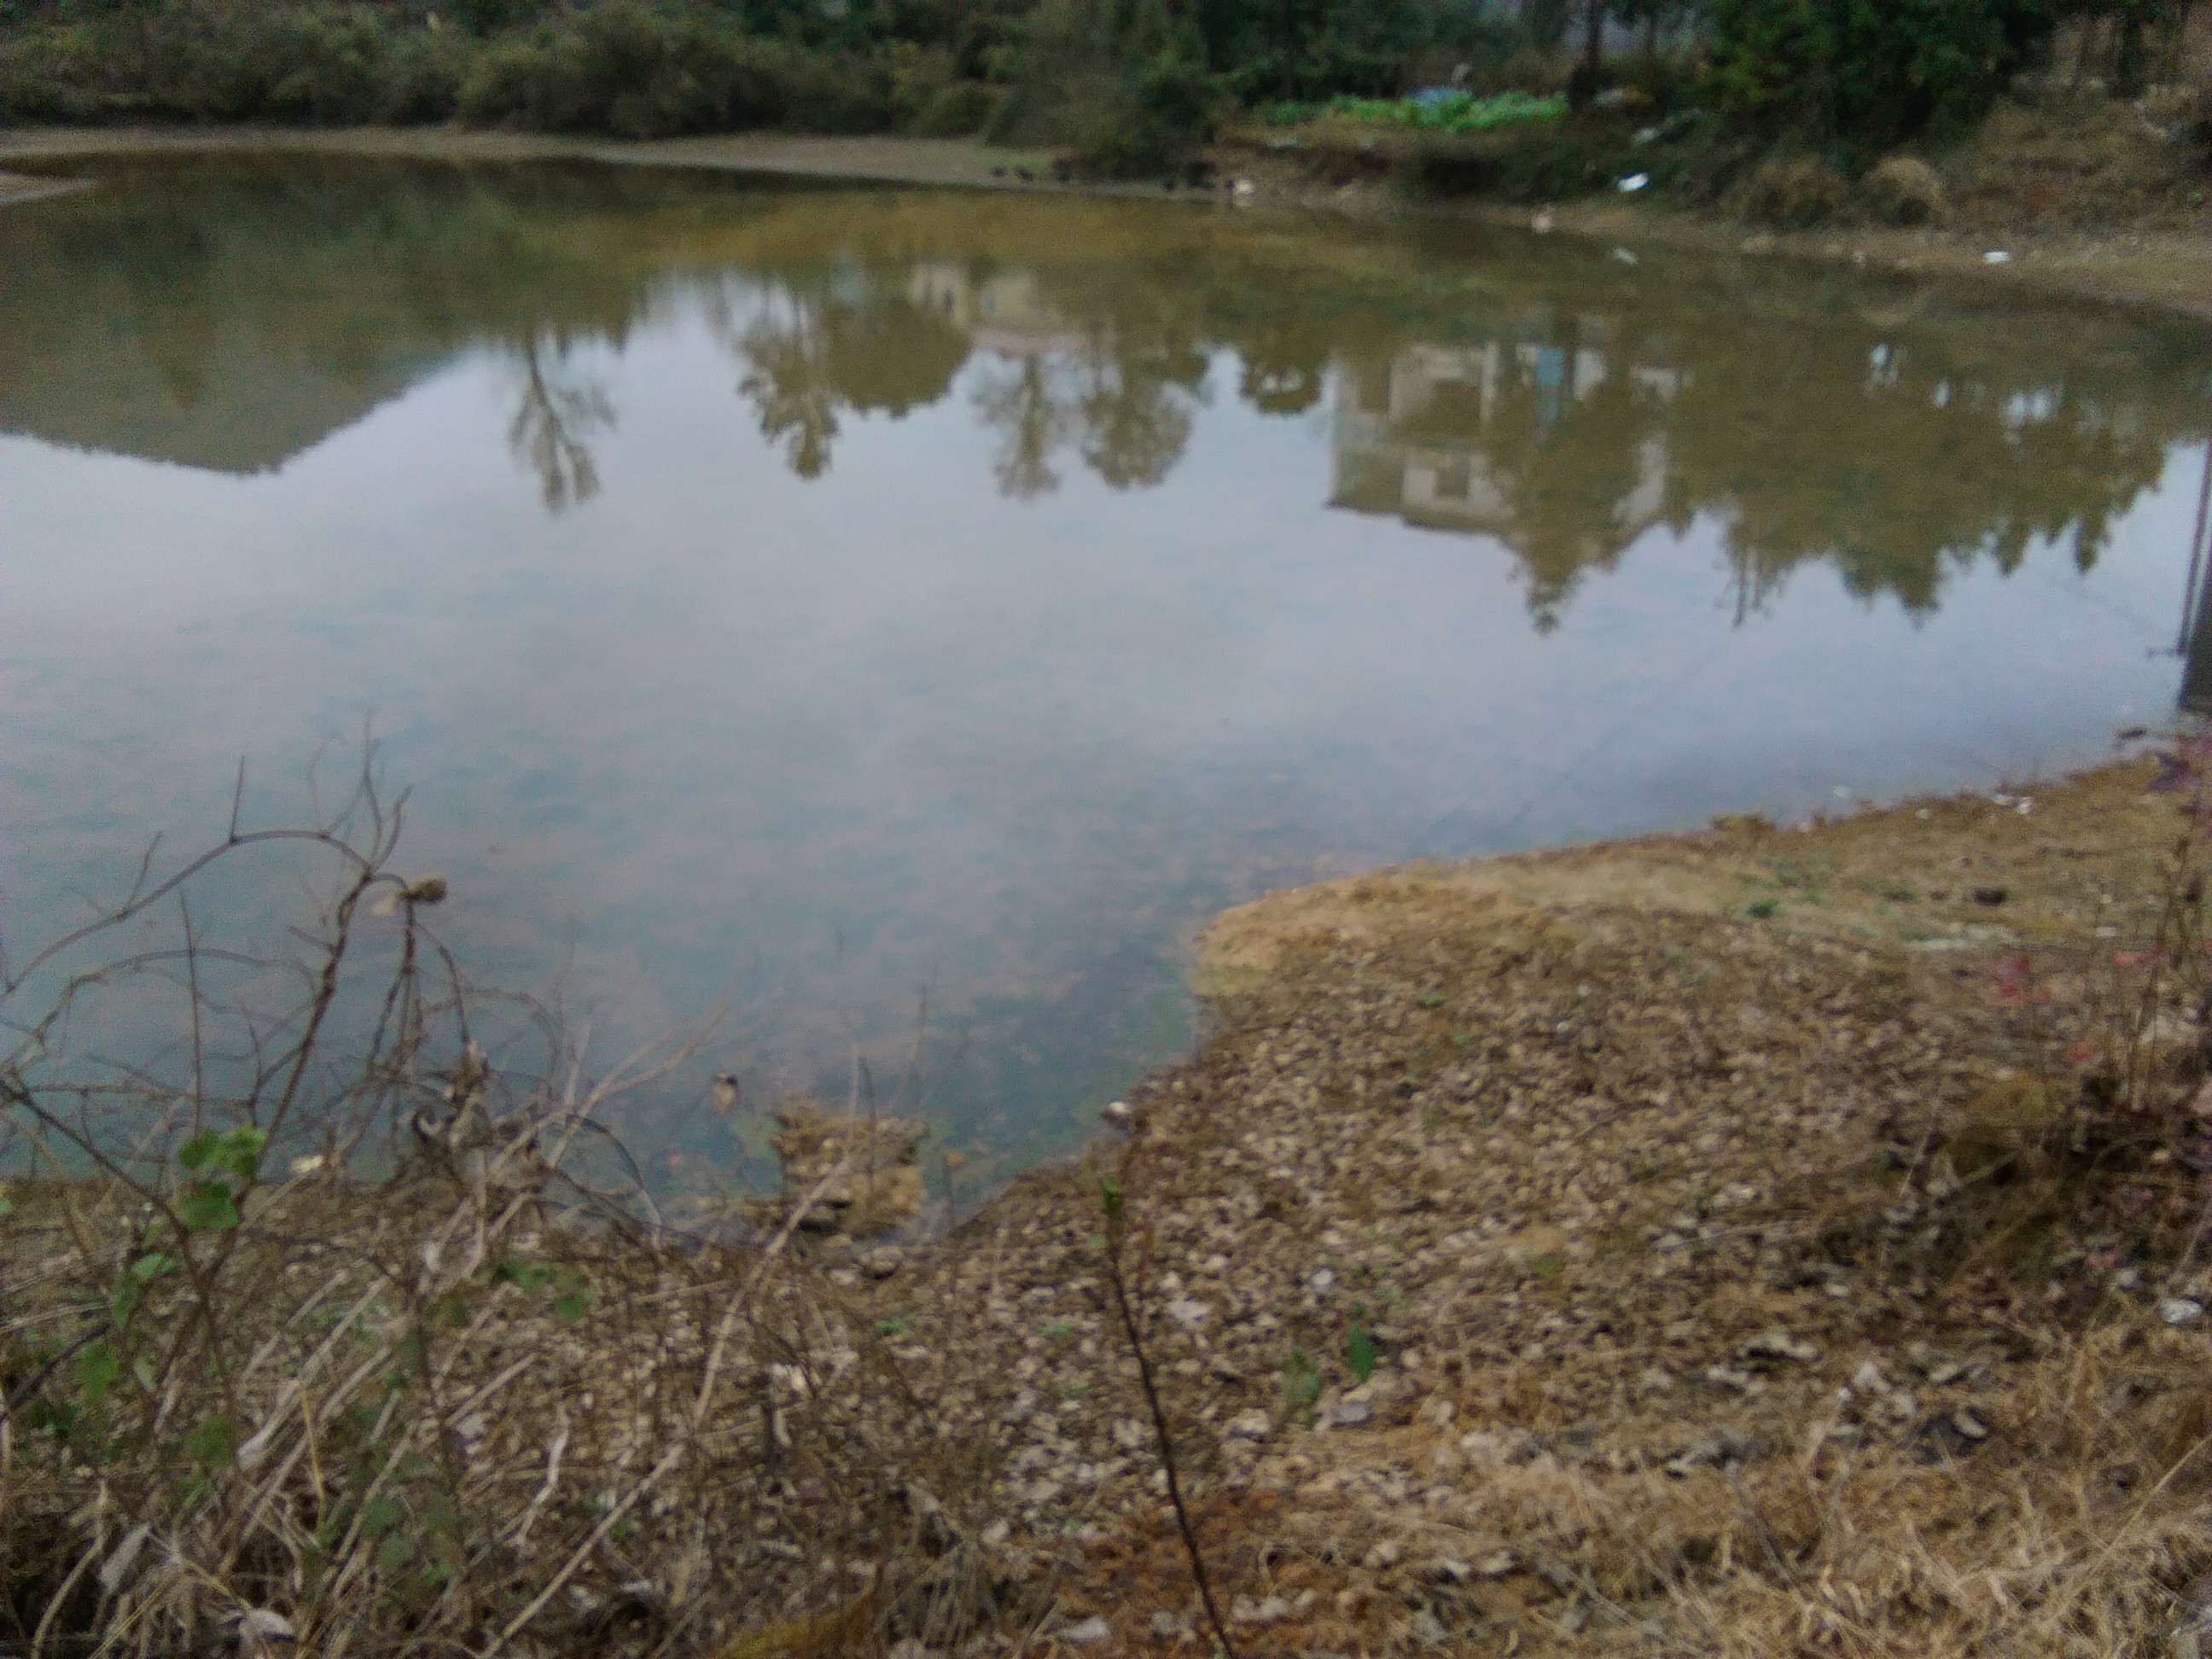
2168, 271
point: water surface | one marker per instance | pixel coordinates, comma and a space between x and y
845, 594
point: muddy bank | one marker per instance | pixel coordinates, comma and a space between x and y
1724, 1243
1750, 1241
2162, 266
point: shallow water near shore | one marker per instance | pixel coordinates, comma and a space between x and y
837, 596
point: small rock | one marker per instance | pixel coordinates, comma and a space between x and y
1272, 1611
1779, 1344
1447, 1569
1655, 1379
1496, 1566
1723, 1376
1430, 1628
1166, 1626
1722, 1448
1251, 1426
1384, 1556
1543, 223
1868, 1379
1323, 1281
1093, 1629
1969, 1424
1188, 1313
882, 1262
1351, 1413
2181, 1311
1117, 1114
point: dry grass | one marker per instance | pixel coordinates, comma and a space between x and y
1746, 1244
484, 1402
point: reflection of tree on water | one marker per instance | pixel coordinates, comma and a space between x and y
1136, 407
1026, 399
551, 427
811, 354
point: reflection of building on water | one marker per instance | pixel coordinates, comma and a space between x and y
1417, 440
999, 310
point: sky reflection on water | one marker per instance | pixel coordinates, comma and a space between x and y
838, 593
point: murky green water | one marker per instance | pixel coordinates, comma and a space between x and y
840, 593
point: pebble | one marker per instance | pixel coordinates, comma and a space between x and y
1166, 1626
1251, 1426
1779, 1344
1093, 1629
1188, 1313
1351, 1413
1868, 1379
1384, 1556
2181, 1311
884, 1262
1430, 1628
1272, 1611
1117, 1113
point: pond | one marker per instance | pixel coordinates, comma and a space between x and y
834, 598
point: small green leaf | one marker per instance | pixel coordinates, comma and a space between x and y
152, 1266
898, 1325
207, 1206
527, 1276
1761, 909
200, 1151
241, 1152
393, 1554
570, 1309
1110, 1193
1301, 1381
1359, 1352
124, 1301
210, 1444
1058, 1329
96, 1371
381, 1515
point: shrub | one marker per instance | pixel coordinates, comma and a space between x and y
1905, 190
1845, 72
1793, 194
963, 107
1155, 121
626, 69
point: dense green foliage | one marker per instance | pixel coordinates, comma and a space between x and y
1872, 73
1458, 112
1130, 87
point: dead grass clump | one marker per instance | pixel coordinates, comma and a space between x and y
320, 1325
1793, 194
1904, 190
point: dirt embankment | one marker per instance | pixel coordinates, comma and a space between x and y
1718, 1243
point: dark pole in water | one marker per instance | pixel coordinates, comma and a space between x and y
2195, 645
